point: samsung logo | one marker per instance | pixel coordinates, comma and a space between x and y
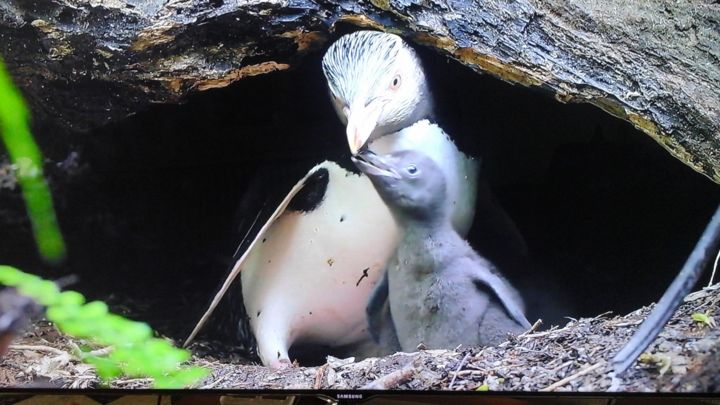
349, 396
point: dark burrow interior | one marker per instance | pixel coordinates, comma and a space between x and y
149, 205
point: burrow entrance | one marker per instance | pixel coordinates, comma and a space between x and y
149, 205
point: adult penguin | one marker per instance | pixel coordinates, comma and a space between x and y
307, 274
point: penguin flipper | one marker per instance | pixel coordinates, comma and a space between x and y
486, 278
380, 322
240, 261
377, 308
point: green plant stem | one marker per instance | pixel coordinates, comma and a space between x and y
27, 159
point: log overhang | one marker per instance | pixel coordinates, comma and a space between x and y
86, 63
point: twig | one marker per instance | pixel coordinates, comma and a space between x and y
624, 324
38, 348
715, 266
392, 380
213, 384
525, 349
457, 370
104, 351
471, 372
244, 238
319, 375
541, 334
533, 328
80, 354
566, 380
133, 380
556, 369
704, 292
603, 315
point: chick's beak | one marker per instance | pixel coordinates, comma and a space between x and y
361, 122
374, 165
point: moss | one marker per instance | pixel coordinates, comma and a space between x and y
381, 4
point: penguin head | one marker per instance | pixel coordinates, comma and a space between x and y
411, 184
377, 85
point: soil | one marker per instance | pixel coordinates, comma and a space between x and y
684, 358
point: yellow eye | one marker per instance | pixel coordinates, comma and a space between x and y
395, 84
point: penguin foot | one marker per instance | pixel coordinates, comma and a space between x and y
281, 364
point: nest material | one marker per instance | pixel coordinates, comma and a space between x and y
684, 358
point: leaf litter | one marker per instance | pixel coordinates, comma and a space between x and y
684, 358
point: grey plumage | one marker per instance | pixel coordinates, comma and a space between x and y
440, 291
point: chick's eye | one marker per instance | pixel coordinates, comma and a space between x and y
395, 82
412, 169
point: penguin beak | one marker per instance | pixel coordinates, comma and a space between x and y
361, 122
374, 165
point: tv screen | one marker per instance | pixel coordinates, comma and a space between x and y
270, 202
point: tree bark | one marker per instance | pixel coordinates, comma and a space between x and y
84, 63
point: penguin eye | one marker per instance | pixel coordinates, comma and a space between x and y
395, 84
412, 170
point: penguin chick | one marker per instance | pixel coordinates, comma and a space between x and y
441, 293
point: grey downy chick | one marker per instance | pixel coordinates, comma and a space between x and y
438, 290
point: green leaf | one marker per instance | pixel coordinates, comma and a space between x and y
182, 378
77, 328
137, 332
59, 314
44, 291
130, 331
483, 387
92, 310
11, 276
106, 368
135, 353
164, 382
703, 319
70, 298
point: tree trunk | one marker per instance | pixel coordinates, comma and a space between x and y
84, 63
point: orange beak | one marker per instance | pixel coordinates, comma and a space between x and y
362, 121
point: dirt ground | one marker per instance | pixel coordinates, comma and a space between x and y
684, 358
